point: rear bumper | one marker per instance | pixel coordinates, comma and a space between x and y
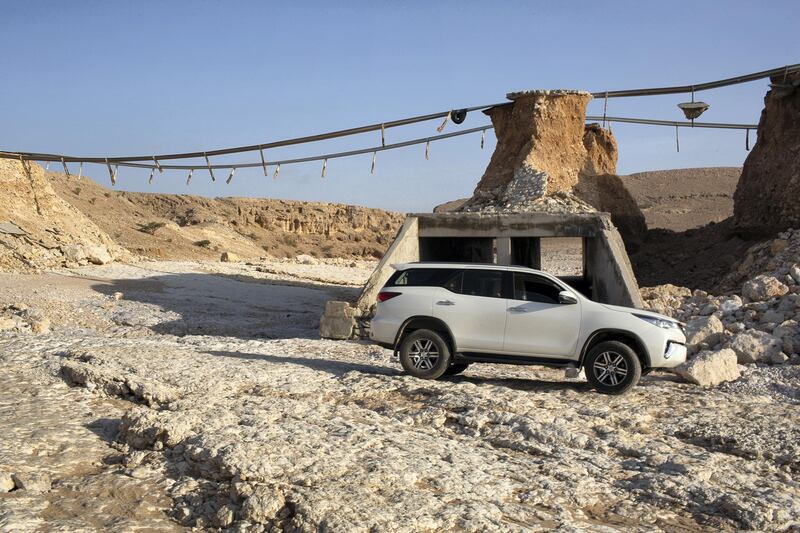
383, 331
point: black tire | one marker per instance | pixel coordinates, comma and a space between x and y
456, 368
612, 367
424, 354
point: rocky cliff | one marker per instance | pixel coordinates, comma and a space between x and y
766, 196
38, 229
172, 226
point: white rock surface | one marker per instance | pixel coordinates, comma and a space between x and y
703, 329
752, 346
709, 369
6, 482
218, 403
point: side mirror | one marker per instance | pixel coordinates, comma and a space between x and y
566, 297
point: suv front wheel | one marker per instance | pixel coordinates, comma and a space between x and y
424, 354
612, 367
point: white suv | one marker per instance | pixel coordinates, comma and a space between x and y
440, 317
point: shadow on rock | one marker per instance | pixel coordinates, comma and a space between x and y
523, 384
332, 366
222, 305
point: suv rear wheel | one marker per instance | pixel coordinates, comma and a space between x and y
424, 354
612, 367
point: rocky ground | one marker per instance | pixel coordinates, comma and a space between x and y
175, 395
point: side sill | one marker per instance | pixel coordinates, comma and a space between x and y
553, 362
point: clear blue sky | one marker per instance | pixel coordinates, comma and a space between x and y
108, 78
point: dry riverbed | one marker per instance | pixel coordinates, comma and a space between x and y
201, 396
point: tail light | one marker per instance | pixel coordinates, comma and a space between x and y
386, 295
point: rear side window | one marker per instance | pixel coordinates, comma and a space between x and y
482, 283
532, 288
422, 277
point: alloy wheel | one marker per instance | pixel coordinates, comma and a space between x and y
610, 368
423, 354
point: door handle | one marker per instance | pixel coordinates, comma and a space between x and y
518, 309
445, 302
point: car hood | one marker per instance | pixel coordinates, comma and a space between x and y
642, 312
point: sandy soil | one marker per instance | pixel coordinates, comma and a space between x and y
204, 398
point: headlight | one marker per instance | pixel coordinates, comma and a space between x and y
660, 322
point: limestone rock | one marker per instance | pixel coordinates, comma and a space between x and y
794, 271
305, 259
35, 482
777, 358
763, 287
6, 482
53, 229
338, 321
263, 505
40, 325
229, 257
772, 316
729, 306
766, 195
753, 345
98, 255
703, 329
545, 150
7, 323
709, 369
527, 133
74, 253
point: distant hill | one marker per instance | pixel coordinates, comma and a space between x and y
685, 198
182, 227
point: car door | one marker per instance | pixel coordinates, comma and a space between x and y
473, 306
536, 323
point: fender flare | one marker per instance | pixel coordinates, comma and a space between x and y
640, 345
425, 322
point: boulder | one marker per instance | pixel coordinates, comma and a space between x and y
703, 329
788, 328
777, 358
305, 259
753, 345
763, 287
730, 305
7, 324
766, 195
39, 325
98, 255
6, 482
338, 321
795, 273
74, 253
709, 369
772, 316
229, 257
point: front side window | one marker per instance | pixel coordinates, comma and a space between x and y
482, 283
531, 288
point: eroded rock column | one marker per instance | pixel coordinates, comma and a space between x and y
766, 195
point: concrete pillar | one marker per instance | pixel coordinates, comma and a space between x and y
503, 245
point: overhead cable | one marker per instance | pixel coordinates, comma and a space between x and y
382, 126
